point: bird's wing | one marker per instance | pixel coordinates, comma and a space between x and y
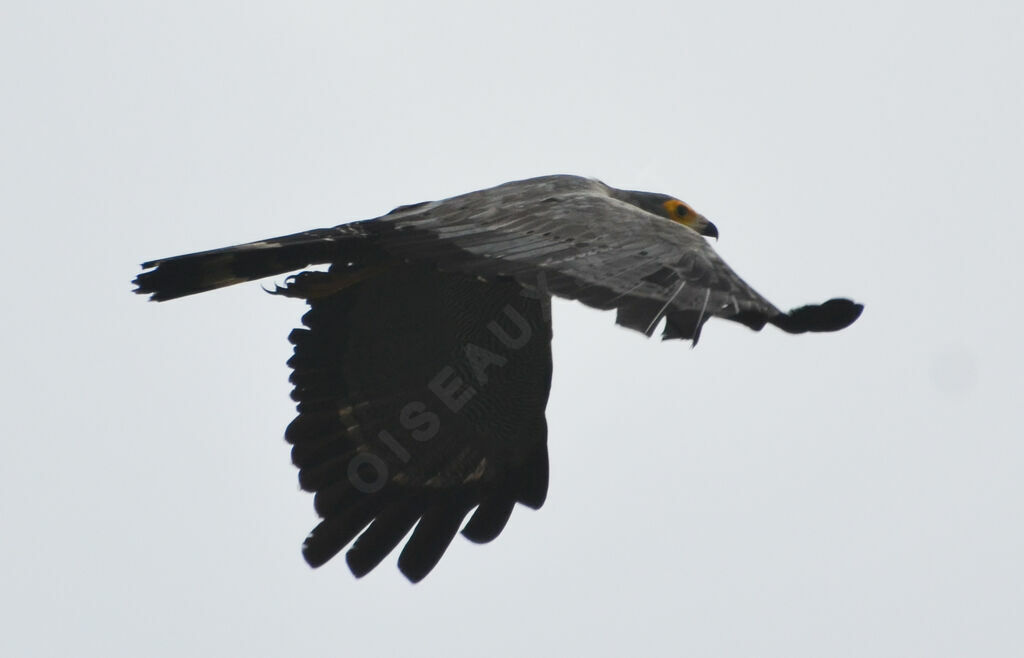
421, 395
576, 238
420, 390
570, 236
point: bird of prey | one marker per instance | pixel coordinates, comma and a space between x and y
422, 372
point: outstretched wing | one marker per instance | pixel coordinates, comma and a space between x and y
573, 237
578, 238
423, 370
421, 395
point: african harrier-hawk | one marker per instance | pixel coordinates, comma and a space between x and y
423, 370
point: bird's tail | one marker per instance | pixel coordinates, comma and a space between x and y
178, 276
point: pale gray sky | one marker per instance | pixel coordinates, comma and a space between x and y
854, 494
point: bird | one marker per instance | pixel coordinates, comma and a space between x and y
422, 370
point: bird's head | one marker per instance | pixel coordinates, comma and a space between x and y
672, 208
679, 212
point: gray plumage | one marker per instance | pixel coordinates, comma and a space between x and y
445, 291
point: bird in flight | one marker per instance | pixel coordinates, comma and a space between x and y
422, 371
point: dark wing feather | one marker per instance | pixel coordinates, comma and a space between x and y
565, 235
386, 531
490, 518
439, 298
432, 536
379, 440
578, 238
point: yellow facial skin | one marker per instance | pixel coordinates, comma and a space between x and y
679, 212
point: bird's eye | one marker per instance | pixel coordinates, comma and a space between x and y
677, 209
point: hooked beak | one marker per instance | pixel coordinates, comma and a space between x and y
705, 227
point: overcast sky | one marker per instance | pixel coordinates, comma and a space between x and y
852, 494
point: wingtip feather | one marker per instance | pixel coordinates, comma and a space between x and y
833, 315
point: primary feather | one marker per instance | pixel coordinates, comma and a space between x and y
423, 368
